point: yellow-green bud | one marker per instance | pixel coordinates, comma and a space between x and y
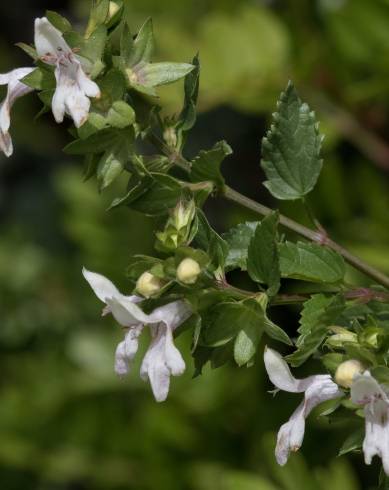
147, 284
113, 9
346, 371
170, 136
188, 271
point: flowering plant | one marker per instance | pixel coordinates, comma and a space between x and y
106, 83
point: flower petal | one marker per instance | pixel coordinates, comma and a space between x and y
173, 357
15, 90
121, 362
365, 389
291, 434
6, 145
172, 314
102, 287
154, 367
280, 375
88, 86
49, 42
126, 312
376, 442
126, 350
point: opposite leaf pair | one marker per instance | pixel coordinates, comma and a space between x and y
162, 358
73, 86
365, 392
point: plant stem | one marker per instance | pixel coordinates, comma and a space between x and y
312, 235
315, 236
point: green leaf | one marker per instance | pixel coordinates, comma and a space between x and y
206, 166
210, 241
275, 332
112, 162
353, 442
187, 118
162, 195
96, 143
225, 321
126, 44
238, 240
143, 46
58, 21
291, 149
30, 50
263, 260
311, 262
157, 74
98, 16
95, 122
246, 343
40, 79
113, 87
120, 115
318, 314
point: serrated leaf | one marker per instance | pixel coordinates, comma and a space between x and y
238, 240
291, 149
206, 166
263, 261
187, 118
58, 21
318, 314
311, 262
157, 74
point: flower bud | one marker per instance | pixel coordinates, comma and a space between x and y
346, 371
170, 136
147, 284
113, 9
188, 271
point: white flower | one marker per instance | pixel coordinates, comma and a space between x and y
15, 90
162, 358
366, 391
73, 86
316, 389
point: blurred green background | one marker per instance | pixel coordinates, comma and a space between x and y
66, 421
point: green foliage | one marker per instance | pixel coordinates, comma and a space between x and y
238, 240
311, 262
132, 135
318, 313
206, 166
263, 263
291, 149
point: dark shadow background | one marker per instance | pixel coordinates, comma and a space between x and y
66, 422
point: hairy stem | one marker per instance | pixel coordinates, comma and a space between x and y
315, 236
